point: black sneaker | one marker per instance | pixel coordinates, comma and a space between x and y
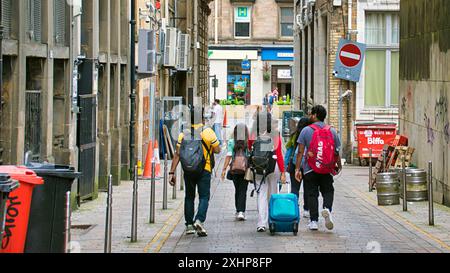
201, 231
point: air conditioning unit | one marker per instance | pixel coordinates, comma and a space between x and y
170, 47
147, 52
184, 44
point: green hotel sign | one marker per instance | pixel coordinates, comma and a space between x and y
243, 12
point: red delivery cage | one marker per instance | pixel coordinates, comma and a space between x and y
374, 136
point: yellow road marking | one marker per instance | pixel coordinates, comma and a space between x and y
398, 216
158, 248
158, 235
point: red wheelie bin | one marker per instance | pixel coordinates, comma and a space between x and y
18, 208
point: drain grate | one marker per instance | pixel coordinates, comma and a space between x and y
81, 229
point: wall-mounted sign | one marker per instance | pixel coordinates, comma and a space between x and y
242, 14
285, 54
245, 65
349, 60
284, 74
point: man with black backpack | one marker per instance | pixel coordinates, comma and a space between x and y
195, 150
321, 162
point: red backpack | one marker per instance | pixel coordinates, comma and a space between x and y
321, 153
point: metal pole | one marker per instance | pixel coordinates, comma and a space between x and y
152, 195
132, 84
134, 213
1, 55
1, 58
340, 115
430, 194
405, 203
384, 161
165, 186
215, 87
108, 225
67, 224
370, 170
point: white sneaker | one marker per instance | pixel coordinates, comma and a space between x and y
190, 230
306, 214
328, 219
241, 216
201, 231
313, 225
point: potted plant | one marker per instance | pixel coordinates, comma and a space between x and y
266, 71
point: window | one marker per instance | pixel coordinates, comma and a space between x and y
34, 20
6, 17
242, 22
238, 82
287, 22
382, 59
59, 21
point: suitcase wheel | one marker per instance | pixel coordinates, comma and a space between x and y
272, 229
295, 229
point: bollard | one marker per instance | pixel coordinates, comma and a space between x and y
134, 213
430, 194
108, 225
67, 224
152, 195
384, 161
405, 203
165, 183
370, 170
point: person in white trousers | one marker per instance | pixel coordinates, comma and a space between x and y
270, 183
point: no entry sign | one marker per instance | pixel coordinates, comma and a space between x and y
349, 60
350, 55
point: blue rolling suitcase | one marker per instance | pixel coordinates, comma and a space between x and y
284, 213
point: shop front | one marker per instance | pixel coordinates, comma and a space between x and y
278, 62
234, 70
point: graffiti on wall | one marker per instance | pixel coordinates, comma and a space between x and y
407, 101
441, 110
430, 132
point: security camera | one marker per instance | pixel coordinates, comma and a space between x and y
147, 19
335, 73
347, 95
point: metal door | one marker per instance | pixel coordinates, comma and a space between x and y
33, 124
87, 131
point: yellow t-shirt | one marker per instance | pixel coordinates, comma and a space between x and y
210, 139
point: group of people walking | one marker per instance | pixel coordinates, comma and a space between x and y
255, 157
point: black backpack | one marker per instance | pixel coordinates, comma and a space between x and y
262, 159
191, 155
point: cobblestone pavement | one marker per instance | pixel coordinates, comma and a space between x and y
361, 225
150, 236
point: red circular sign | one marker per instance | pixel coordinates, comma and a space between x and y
350, 55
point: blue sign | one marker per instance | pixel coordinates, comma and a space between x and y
349, 60
277, 54
246, 65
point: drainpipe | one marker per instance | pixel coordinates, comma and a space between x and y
1, 55
350, 10
132, 87
216, 22
196, 76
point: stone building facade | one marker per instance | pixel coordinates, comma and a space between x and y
374, 99
258, 32
425, 88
